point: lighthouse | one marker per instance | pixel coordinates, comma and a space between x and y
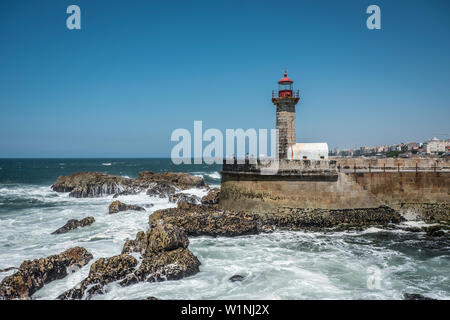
285, 99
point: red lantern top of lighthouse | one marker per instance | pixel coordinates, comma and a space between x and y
285, 79
285, 89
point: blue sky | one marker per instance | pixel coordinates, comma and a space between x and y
137, 70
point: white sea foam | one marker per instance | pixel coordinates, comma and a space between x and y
106, 164
214, 175
280, 265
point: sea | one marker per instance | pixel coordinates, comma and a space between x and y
369, 264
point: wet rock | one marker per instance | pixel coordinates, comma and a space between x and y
198, 220
102, 272
336, 219
159, 237
168, 265
117, 206
73, 224
416, 296
151, 298
161, 189
8, 269
178, 197
178, 179
33, 275
96, 184
90, 184
236, 277
434, 231
413, 229
126, 193
165, 255
212, 197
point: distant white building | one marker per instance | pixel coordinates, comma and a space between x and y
308, 151
435, 146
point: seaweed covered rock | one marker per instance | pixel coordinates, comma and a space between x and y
117, 206
212, 197
164, 254
321, 219
73, 224
205, 220
90, 184
33, 275
159, 237
178, 179
96, 184
161, 190
184, 197
102, 272
166, 265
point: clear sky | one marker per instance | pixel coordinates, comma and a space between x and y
137, 70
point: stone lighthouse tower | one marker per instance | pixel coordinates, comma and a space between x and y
285, 100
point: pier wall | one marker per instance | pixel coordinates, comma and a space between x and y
410, 192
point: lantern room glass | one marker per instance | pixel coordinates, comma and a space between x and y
285, 86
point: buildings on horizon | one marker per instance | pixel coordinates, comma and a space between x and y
432, 147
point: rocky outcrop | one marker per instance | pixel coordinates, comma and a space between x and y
102, 272
161, 190
90, 184
73, 224
33, 275
96, 184
183, 197
178, 179
320, 219
210, 220
164, 254
199, 220
117, 206
212, 197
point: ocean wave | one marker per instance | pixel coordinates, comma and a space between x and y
106, 164
215, 175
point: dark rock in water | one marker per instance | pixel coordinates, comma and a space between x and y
151, 298
73, 224
434, 231
178, 197
212, 197
126, 193
90, 184
102, 272
8, 269
33, 275
117, 206
167, 265
413, 229
96, 184
161, 189
198, 220
164, 253
158, 238
416, 296
178, 179
236, 277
